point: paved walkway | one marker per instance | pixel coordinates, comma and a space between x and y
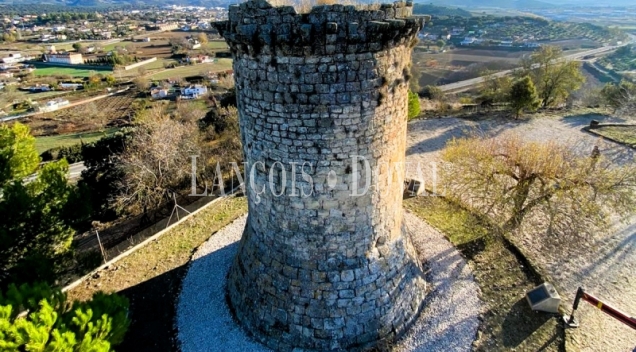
605, 265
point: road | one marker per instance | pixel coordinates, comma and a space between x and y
463, 85
74, 172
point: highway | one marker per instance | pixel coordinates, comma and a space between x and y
463, 85
74, 172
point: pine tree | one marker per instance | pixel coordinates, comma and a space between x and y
39, 318
523, 95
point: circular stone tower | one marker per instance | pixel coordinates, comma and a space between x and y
324, 262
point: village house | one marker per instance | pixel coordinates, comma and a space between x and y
55, 104
65, 58
193, 91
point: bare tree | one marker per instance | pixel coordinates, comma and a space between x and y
156, 163
142, 83
508, 180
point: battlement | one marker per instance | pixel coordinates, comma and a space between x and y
256, 27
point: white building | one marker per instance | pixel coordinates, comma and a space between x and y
159, 93
13, 58
53, 105
68, 58
193, 91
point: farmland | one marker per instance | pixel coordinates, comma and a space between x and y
193, 70
109, 111
460, 64
65, 140
68, 71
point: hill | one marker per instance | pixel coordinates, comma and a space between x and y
440, 11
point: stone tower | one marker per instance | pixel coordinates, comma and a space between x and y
324, 263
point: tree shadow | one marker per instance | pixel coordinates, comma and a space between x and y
152, 312
583, 120
472, 248
521, 322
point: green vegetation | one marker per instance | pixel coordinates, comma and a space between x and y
554, 78
216, 44
432, 10
66, 140
623, 59
621, 134
39, 216
620, 96
49, 323
69, 71
508, 323
507, 27
193, 70
523, 95
414, 105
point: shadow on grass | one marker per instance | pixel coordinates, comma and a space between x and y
583, 120
521, 322
152, 312
472, 248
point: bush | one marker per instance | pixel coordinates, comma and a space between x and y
433, 93
38, 318
414, 106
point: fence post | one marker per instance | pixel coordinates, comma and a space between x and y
100, 246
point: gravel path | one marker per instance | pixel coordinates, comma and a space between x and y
448, 323
604, 265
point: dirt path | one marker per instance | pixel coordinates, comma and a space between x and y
604, 265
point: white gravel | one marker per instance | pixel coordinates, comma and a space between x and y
450, 318
204, 322
449, 322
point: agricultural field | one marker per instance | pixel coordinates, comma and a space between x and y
68, 71
194, 70
217, 45
461, 64
110, 111
43, 144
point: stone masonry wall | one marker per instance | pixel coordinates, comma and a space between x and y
320, 268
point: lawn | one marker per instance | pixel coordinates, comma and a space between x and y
620, 134
194, 70
66, 140
508, 323
151, 277
70, 71
217, 44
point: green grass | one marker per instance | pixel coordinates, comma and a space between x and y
217, 44
508, 323
43, 144
70, 71
193, 70
620, 134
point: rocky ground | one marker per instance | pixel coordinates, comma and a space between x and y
605, 264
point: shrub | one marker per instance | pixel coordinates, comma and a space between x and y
433, 93
38, 318
414, 105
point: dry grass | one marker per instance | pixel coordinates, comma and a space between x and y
151, 277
